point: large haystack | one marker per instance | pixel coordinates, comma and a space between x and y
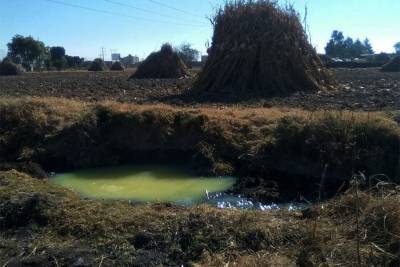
165, 64
9, 68
97, 65
259, 49
392, 66
117, 66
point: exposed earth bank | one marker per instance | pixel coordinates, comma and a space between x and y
278, 154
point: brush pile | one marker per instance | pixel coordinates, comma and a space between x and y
97, 65
392, 66
9, 68
164, 64
117, 66
260, 49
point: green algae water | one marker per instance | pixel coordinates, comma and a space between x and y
143, 184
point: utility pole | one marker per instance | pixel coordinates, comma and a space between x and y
103, 49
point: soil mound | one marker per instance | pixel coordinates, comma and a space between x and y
164, 64
392, 66
260, 49
9, 68
117, 66
97, 65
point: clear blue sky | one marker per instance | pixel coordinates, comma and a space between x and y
128, 30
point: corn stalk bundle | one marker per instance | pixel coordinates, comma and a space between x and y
117, 66
97, 65
164, 64
9, 68
260, 48
392, 66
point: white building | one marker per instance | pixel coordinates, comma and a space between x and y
130, 60
115, 57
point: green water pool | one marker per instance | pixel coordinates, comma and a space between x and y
143, 184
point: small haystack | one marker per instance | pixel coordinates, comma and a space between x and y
392, 66
9, 68
97, 65
117, 66
165, 64
259, 49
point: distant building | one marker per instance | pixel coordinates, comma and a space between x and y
115, 57
130, 60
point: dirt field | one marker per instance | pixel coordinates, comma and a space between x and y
359, 89
90, 86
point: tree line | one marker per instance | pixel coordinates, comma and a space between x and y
340, 46
34, 53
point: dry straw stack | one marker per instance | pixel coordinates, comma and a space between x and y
259, 48
392, 66
164, 64
97, 65
117, 66
9, 68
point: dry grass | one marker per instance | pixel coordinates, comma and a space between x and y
235, 113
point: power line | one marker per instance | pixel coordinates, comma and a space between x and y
138, 8
118, 14
174, 8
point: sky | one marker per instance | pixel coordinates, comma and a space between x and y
139, 27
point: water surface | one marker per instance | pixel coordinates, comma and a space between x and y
144, 184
